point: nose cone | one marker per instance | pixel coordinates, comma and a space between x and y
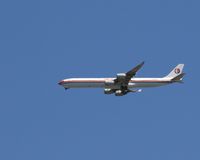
61, 82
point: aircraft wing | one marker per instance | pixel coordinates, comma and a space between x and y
133, 71
124, 78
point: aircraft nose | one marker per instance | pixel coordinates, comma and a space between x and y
61, 82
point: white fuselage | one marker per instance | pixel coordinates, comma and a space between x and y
107, 83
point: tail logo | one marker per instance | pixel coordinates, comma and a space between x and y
177, 70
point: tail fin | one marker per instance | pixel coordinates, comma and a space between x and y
176, 73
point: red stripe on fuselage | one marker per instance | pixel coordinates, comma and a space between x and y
103, 81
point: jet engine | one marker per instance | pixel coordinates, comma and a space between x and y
108, 91
119, 93
109, 83
121, 76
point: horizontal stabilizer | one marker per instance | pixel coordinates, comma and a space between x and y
178, 78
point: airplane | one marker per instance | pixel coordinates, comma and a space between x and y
125, 83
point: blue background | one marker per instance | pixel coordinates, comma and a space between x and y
42, 42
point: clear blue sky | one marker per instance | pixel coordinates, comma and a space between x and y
42, 42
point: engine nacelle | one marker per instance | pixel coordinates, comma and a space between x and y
119, 93
108, 91
121, 75
109, 83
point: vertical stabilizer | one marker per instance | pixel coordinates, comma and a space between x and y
176, 71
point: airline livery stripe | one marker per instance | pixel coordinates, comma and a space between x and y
103, 81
